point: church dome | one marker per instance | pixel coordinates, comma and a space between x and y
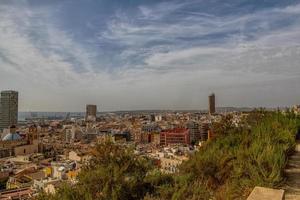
12, 137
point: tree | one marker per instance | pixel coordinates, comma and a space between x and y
114, 173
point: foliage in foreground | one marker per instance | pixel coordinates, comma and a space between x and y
242, 158
227, 167
114, 173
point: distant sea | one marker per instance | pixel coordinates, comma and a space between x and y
55, 115
63, 115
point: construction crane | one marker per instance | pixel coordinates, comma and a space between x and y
67, 118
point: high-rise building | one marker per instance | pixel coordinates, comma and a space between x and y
91, 112
8, 109
211, 104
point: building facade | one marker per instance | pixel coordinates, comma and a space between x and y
91, 112
194, 131
8, 109
175, 136
204, 128
212, 104
13, 144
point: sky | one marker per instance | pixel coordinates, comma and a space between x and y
150, 54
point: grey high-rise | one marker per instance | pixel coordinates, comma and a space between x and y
91, 111
8, 109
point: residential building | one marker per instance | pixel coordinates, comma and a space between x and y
194, 131
204, 128
175, 136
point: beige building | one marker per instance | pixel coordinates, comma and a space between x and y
26, 149
74, 156
79, 157
13, 144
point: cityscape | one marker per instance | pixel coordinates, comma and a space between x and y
149, 100
41, 153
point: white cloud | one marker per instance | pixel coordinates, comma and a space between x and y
39, 68
172, 73
267, 50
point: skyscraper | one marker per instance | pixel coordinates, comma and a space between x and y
91, 112
212, 104
8, 108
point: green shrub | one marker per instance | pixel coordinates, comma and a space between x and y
242, 158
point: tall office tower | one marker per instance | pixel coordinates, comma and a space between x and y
212, 104
8, 108
91, 112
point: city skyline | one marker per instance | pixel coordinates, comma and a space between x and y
136, 55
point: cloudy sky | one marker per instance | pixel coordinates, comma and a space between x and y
150, 54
